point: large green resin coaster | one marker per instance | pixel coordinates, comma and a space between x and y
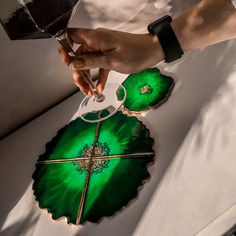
146, 89
92, 170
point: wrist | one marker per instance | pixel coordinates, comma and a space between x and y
181, 31
168, 41
156, 50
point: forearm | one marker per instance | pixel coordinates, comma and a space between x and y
206, 23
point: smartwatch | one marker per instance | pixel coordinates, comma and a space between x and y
167, 38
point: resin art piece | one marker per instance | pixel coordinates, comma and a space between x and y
92, 170
146, 89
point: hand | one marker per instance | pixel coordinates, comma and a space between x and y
110, 50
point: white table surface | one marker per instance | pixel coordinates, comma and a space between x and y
192, 190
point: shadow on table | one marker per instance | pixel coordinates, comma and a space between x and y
19, 153
198, 77
25, 226
17, 166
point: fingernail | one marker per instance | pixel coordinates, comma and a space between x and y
99, 88
78, 63
89, 94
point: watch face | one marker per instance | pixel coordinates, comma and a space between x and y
154, 24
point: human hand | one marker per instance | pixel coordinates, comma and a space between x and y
110, 50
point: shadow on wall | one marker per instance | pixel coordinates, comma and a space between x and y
33, 78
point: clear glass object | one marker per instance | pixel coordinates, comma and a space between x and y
36, 19
93, 110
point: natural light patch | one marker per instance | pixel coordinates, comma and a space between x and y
21, 211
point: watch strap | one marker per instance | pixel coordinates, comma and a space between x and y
167, 38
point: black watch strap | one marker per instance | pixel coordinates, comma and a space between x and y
167, 38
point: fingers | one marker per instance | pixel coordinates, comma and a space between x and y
102, 79
64, 56
98, 51
90, 55
99, 39
91, 60
79, 81
79, 35
78, 77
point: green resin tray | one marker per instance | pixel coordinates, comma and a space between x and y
146, 89
92, 170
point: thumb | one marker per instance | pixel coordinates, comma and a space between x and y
91, 60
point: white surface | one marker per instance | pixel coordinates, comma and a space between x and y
192, 181
222, 224
199, 185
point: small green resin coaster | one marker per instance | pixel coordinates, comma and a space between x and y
145, 89
92, 170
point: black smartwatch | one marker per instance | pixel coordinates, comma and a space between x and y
167, 38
